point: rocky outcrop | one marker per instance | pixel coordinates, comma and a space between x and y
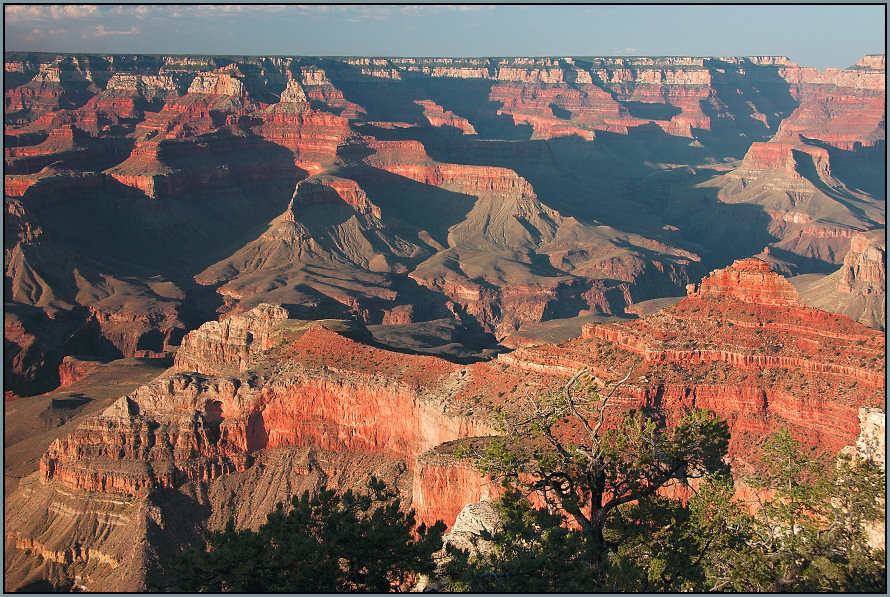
180, 168
73, 369
858, 288
340, 395
775, 332
866, 262
738, 346
872, 442
843, 108
327, 189
762, 157
227, 346
747, 280
469, 525
440, 117
193, 427
312, 136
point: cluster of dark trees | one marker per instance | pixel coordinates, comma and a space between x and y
600, 519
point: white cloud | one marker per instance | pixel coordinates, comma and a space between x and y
139, 12
101, 31
423, 10
18, 13
33, 35
358, 14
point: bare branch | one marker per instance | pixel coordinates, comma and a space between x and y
654, 484
567, 390
602, 407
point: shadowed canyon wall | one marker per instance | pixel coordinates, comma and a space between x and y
146, 195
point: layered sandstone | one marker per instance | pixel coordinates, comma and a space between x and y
228, 345
553, 166
843, 108
859, 288
747, 280
747, 353
776, 331
737, 345
440, 117
327, 189
781, 156
190, 427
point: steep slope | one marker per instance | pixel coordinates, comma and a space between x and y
859, 288
812, 214
261, 406
148, 194
190, 449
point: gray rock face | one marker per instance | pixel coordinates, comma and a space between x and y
469, 525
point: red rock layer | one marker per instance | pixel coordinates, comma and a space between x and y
176, 111
331, 393
312, 136
181, 168
759, 364
443, 486
749, 354
72, 370
58, 139
439, 116
780, 156
327, 189
747, 280
228, 345
15, 186
844, 108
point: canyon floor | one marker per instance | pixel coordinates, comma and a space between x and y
230, 279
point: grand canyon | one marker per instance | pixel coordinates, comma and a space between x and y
230, 279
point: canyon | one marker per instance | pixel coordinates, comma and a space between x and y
491, 193
262, 405
230, 279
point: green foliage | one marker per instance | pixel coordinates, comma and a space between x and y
810, 530
327, 542
588, 470
605, 526
533, 551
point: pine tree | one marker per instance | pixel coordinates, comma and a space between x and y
600, 485
326, 542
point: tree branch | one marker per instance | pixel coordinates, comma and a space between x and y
605, 401
651, 488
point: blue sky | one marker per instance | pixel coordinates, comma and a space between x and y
820, 36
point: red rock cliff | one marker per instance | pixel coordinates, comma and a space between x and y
330, 392
748, 280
